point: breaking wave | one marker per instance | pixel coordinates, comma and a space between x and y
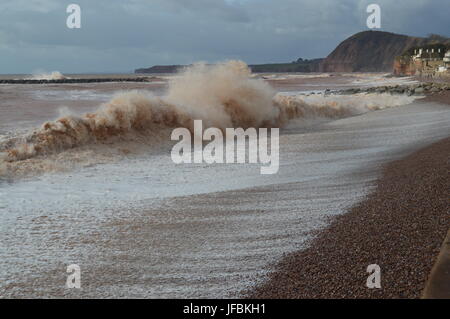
222, 95
55, 75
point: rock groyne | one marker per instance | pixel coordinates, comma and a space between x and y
71, 81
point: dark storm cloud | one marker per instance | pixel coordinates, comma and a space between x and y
123, 35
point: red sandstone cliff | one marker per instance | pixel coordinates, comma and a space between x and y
369, 51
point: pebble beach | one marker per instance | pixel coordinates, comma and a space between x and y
400, 227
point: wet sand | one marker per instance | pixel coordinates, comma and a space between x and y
400, 227
441, 97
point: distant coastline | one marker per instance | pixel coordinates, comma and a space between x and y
300, 65
367, 51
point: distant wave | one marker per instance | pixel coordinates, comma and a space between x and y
55, 75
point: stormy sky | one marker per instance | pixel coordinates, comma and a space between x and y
121, 35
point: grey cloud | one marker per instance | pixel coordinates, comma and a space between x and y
121, 35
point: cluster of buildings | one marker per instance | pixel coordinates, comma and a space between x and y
431, 62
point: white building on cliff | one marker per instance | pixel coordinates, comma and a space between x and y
447, 58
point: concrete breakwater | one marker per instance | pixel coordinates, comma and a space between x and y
411, 89
76, 80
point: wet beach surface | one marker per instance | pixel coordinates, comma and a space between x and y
142, 226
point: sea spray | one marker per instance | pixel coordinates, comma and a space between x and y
55, 75
223, 96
